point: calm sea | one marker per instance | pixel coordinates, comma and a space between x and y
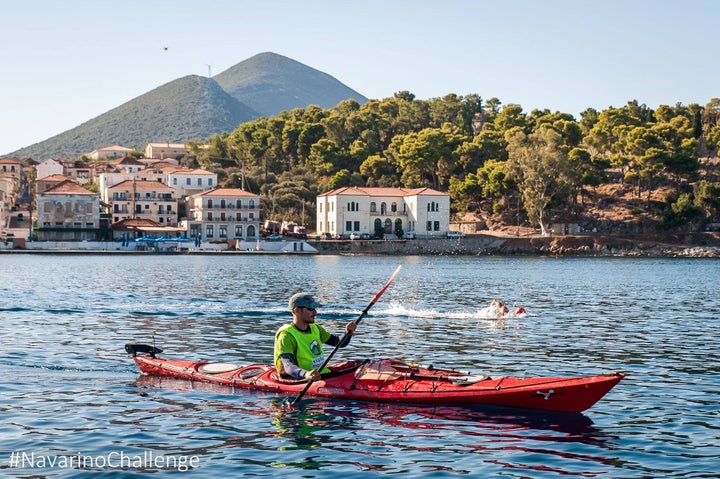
74, 404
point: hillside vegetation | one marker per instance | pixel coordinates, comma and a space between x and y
627, 169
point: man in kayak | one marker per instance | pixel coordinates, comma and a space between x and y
298, 345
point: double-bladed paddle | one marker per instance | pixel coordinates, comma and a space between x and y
342, 340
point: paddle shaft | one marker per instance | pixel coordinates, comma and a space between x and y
347, 333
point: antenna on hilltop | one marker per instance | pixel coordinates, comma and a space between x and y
209, 71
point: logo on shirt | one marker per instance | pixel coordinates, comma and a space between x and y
315, 348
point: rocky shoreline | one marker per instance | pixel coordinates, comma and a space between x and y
696, 245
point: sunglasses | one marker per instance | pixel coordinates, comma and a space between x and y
310, 309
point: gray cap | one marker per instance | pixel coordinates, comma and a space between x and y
303, 300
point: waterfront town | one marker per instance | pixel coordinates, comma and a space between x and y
116, 201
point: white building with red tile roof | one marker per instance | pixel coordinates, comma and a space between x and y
223, 214
383, 211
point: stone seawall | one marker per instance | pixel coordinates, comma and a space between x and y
696, 245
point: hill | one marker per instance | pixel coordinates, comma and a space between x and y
190, 108
196, 108
271, 83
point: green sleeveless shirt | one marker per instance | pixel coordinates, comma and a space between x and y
305, 346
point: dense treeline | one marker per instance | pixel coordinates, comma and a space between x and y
495, 160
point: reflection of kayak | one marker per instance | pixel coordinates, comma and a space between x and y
393, 382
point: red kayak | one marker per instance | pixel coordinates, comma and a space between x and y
392, 381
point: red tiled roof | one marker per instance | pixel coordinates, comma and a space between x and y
52, 178
227, 192
376, 191
68, 187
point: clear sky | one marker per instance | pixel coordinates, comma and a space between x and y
67, 61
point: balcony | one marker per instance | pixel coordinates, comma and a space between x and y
389, 213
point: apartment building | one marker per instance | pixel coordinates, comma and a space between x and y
143, 199
223, 214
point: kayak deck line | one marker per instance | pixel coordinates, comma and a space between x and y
391, 381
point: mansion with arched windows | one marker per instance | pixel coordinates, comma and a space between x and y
383, 211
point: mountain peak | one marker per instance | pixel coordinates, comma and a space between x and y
271, 83
195, 107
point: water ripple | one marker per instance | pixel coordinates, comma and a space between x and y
69, 386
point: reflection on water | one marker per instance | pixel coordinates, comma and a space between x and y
378, 431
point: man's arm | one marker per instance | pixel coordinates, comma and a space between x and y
334, 340
290, 366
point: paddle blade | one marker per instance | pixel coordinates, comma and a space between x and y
387, 285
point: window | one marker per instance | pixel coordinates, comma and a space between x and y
199, 181
373, 207
209, 231
383, 208
209, 216
175, 182
209, 181
348, 226
222, 231
437, 226
393, 207
238, 204
429, 225
238, 231
388, 226
356, 226
222, 204
187, 181
210, 203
